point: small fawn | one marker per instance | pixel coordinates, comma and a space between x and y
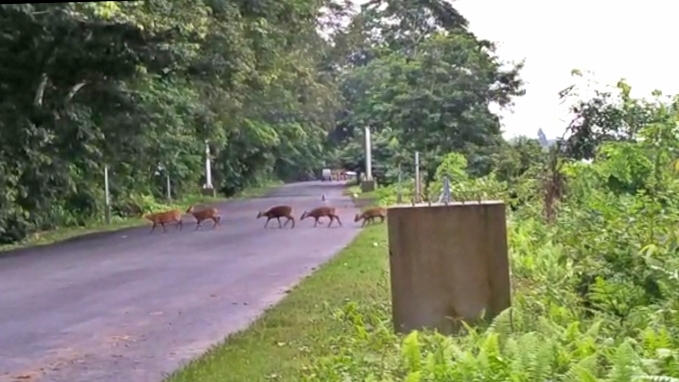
371, 214
277, 213
320, 212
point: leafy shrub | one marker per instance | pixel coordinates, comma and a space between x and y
595, 291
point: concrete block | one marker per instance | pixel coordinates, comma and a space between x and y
448, 262
368, 185
209, 192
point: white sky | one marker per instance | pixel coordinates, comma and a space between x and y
612, 39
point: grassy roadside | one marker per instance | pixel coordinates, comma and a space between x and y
362, 200
352, 190
288, 336
61, 234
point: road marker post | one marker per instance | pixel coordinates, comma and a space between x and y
107, 210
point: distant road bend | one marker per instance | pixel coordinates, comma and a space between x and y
131, 306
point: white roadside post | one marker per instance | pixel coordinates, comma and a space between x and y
418, 189
107, 210
208, 168
368, 156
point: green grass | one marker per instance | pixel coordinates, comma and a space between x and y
368, 195
352, 190
289, 335
364, 200
61, 234
355, 189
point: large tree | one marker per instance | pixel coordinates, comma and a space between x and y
140, 86
415, 69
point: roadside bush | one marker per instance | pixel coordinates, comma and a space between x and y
462, 187
595, 291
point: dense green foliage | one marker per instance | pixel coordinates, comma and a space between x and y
422, 82
594, 281
138, 85
278, 89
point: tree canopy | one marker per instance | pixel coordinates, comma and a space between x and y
424, 83
276, 89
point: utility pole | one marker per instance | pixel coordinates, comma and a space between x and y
399, 193
107, 210
169, 185
208, 168
418, 188
368, 155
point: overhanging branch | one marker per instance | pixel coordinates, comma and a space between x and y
40, 93
74, 90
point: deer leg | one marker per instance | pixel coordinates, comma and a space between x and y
315, 222
363, 225
279, 221
338, 220
331, 219
292, 220
198, 223
180, 224
216, 219
154, 227
163, 225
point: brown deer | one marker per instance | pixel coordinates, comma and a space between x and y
205, 214
277, 213
371, 214
162, 218
320, 212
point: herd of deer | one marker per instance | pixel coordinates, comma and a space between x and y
277, 212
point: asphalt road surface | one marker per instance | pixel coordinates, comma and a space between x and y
131, 306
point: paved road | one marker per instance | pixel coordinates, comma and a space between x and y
131, 306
